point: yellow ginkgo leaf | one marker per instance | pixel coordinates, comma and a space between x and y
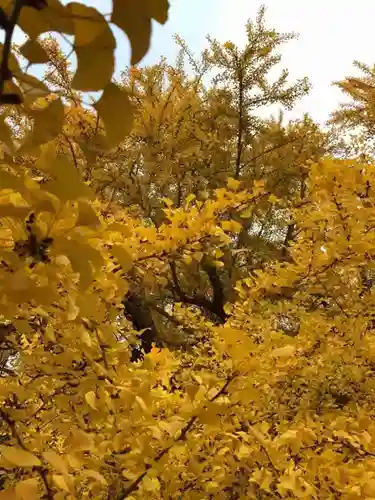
190, 198
151, 484
27, 490
52, 17
123, 256
133, 18
95, 62
273, 199
218, 263
247, 213
116, 112
232, 226
141, 403
90, 398
167, 202
369, 488
68, 184
86, 338
88, 23
48, 123
79, 440
9, 210
158, 10
282, 352
31, 87
34, 52
87, 215
47, 157
49, 334
8, 494
93, 474
233, 183
18, 456
60, 482
80, 257
72, 310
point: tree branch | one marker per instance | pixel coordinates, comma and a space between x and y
218, 301
240, 125
182, 436
42, 471
216, 306
5, 73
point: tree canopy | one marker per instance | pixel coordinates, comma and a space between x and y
187, 288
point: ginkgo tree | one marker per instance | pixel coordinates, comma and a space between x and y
242, 410
184, 142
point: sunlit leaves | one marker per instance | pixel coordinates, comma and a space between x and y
91, 399
79, 440
232, 226
151, 484
83, 258
227, 403
233, 183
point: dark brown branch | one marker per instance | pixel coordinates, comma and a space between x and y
271, 150
240, 125
289, 237
170, 317
177, 286
218, 301
216, 306
5, 73
140, 315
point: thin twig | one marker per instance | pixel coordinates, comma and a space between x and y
71, 150
42, 471
182, 436
5, 73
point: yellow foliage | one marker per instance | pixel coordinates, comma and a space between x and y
263, 392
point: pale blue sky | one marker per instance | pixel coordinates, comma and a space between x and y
332, 34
